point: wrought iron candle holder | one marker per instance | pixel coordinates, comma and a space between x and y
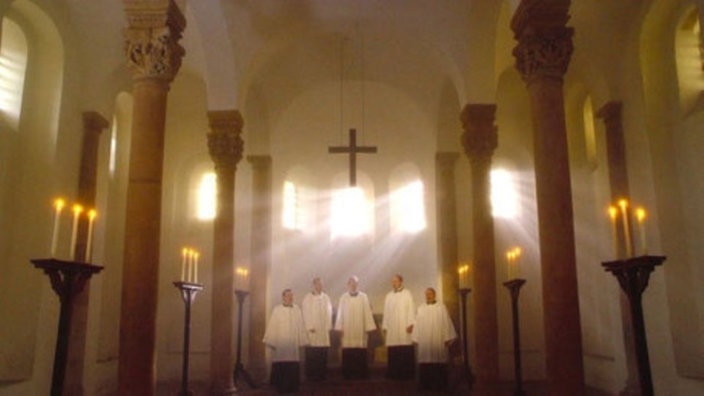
68, 278
464, 292
239, 370
514, 287
633, 275
188, 292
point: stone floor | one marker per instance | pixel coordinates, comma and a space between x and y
377, 385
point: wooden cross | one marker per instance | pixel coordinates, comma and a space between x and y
352, 149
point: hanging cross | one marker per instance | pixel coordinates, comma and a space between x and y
352, 149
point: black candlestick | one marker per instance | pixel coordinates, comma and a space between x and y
68, 278
188, 292
464, 291
239, 368
514, 286
633, 275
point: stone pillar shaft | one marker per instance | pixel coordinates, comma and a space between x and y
225, 145
447, 230
480, 139
542, 55
153, 57
93, 125
261, 260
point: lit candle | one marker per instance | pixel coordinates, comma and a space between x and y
196, 255
463, 272
184, 259
613, 213
640, 216
189, 264
509, 264
623, 204
242, 278
516, 257
77, 209
89, 243
59, 204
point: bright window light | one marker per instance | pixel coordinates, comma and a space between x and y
13, 63
290, 210
408, 208
351, 213
206, 197
504, 198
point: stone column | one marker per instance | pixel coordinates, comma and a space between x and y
225, 145
480, 140
542, 55
93, 125
154, 58
610, 113
261, 260
446, 212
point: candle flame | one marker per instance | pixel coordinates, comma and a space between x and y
59, 204
613, 212
92, 214
623, 203
77, 209
640, 214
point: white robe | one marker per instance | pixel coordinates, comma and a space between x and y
432, 329
285, 333
399, 313
317, 315
354, 318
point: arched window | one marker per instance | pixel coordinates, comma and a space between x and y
352, 208
690, 66
407, 200
589, 133
504, 194
13, 64
206, 196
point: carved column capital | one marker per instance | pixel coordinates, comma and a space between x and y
94, 121
544, 42
480, 137
225, 139
610, 112
151, 39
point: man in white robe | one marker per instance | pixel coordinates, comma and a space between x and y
434, 332
285, 334
317, 316
354, 321
399, 317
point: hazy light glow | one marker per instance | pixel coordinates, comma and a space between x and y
351, 213
206, 197
408, 208
504, 197
289, 216
13, 64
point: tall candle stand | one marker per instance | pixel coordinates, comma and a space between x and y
633, 275
464, 292
514, 287
188, 292
239, 368
68, 278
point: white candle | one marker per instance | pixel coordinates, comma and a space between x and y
89, 244
516, 258
189, 265
626, 227
640, 215
59, 204
77, 209
184, 259
613, 213
509, 265
196, 255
